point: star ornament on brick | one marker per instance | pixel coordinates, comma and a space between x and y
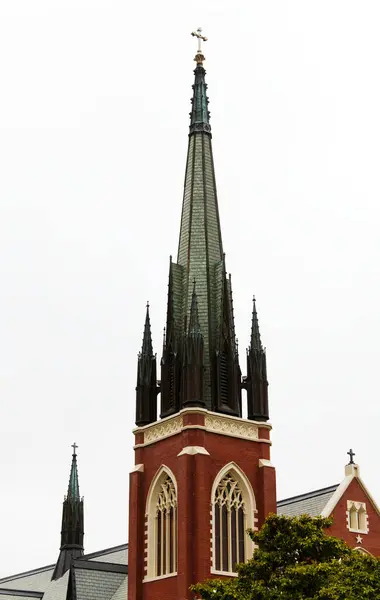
359, 539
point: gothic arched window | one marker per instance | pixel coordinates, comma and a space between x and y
166, 529
233, 513
162, 526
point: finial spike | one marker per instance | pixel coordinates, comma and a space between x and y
147, 345
255, 331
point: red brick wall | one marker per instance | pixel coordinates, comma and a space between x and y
195, 475
371, 540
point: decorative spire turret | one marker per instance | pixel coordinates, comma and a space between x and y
194, 327
146, 388
192, 367
255, 331
170, 361
72, 531
256, 382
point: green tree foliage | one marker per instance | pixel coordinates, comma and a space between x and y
296, 560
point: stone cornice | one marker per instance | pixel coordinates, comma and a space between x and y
212, 422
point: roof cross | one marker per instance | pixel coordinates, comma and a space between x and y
198, 34
74, 447
351, 454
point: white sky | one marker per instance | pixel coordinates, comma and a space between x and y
94, 103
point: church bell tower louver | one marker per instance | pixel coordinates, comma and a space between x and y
200, 450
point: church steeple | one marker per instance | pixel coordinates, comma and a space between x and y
200, 258
72, 530
146, 388
199, 370
200, 376
256, 381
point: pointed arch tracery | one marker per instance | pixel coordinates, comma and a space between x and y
161, 512
233, 512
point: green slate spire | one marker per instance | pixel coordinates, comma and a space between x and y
73, 489
200, 258
72, 530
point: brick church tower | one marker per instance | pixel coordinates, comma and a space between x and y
202, 472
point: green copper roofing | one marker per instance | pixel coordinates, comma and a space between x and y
199, 116
255, 332
73, 489
200, 250
147, 345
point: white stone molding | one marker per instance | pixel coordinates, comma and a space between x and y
161, 430
138, 469
363, 550
264, 462
240, 428
194, 450
214, 422
338, 494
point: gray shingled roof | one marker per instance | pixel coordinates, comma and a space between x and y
91, 584
36, 580
117, 555
101, 575
57, 589
311, 504
122, 592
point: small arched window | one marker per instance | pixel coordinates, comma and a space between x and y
162, 526
357, 517
233, 514
353, 517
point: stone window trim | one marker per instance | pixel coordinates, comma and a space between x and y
363, 551
357, 517
163, 489
247, 502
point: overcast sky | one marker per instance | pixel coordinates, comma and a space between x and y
94, 103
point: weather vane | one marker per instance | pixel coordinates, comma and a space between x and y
199, 57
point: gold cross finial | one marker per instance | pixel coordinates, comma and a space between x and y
199, 58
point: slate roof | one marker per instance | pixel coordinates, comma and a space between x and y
122, 592
311, 503
91, 582
100, 575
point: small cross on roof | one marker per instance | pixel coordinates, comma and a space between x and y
351, 454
